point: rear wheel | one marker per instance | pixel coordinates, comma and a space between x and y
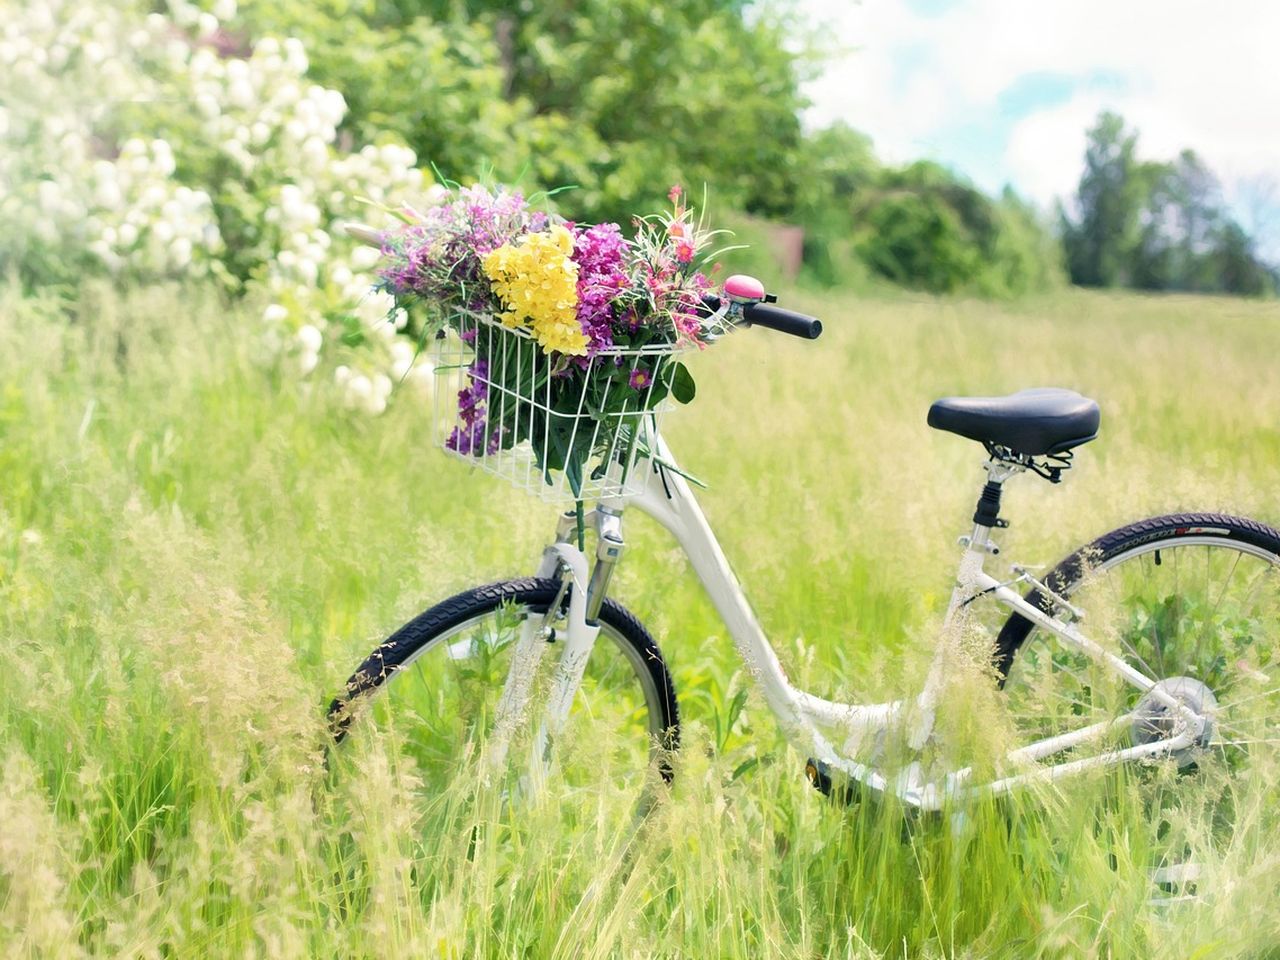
1191, 601
435, 684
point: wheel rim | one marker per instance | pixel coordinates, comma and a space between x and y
1199, 607
438, 709
1200, 614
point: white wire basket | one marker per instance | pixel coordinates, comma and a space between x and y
505, 406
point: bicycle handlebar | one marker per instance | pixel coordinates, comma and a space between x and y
784, 321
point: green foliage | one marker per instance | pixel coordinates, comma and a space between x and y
614, 98
924, 227
1155, 225
619, 99
1099, 243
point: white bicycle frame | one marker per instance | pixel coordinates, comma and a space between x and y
807, 721
823, 729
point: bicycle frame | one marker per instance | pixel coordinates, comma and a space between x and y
809, 721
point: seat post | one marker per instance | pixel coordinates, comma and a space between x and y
986, 515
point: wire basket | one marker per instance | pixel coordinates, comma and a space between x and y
504, 405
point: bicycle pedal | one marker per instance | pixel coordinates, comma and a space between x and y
830, 783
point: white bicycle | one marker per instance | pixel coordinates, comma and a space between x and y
1156, 642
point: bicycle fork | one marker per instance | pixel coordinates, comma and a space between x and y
586, 596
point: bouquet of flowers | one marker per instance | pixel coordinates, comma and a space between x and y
568, 332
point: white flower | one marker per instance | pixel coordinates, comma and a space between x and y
240, 93
308, 271
365, 258
185, 14
108, 195
49, 195
436, 195
295, 55
261, 116
180, 252
422, 376
310, 338
207, 104
359, 390
238, 70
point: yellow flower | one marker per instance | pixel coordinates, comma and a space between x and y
538, 285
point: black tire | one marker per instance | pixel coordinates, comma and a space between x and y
1191, 600
420, 634
1067, 575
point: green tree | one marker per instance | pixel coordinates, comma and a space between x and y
1100, 238
922, 226
616, 97
1181, 221
834, 169
1235, 262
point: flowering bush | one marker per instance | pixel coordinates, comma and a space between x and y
209, 156
571, 328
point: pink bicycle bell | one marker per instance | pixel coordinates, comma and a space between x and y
743, 289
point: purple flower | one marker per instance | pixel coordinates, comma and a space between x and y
438, 257
640, 378
472, 436
599, 252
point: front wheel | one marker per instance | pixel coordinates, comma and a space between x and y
434, 685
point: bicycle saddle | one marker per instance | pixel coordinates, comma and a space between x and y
1046, 420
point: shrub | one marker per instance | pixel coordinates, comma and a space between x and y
218, 158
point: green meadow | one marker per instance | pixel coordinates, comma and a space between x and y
195, 552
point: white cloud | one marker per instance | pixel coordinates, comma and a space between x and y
1190, 74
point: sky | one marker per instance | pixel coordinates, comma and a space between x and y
1004, 90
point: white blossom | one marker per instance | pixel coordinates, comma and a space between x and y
137, 210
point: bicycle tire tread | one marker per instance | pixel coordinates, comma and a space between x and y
380, 665
1066, 574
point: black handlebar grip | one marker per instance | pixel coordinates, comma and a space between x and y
784, 321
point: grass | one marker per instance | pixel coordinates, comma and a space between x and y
194, 554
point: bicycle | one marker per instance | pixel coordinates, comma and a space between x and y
1143, 690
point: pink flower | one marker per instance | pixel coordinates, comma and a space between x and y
684, 251
674, 193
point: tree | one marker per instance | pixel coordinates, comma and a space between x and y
1155, 225
922, 226
1181, 220
1100, 238
618, 98
1236, 264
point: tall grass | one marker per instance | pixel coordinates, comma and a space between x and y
194, 554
